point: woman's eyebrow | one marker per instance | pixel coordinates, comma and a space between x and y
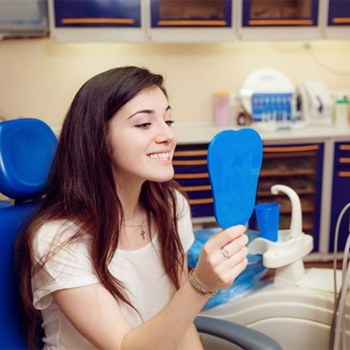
142, 111
146, 111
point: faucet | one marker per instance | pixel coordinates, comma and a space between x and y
296, 217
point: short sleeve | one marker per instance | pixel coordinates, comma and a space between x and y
184, 223
67, 264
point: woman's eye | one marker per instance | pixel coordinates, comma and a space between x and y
143, 125
170, 122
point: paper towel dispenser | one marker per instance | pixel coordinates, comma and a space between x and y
316, 102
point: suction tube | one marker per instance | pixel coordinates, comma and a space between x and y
296, 220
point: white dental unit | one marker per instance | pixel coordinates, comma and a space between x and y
296, 307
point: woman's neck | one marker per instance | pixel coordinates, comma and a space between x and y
136, 228
130, 200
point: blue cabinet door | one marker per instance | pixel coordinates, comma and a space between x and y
282, 13
339, 13
191, 13
340, 194
97, 13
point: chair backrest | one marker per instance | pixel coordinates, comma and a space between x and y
27, 148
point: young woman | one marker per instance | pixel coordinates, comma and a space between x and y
103, 261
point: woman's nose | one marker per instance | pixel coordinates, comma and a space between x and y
165, 133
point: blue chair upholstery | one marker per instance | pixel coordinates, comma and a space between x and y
27, 148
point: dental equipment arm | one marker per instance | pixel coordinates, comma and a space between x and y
296, 219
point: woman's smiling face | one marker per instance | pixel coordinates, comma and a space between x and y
142, 140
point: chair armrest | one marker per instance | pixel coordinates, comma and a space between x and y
242, 336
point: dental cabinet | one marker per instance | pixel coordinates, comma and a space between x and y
341, 192
315, 162
275, 20
96, 20
338, 21
194, 21
191, 20
197, 21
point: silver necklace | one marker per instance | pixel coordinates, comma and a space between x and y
142, 227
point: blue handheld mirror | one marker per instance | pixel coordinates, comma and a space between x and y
234, 162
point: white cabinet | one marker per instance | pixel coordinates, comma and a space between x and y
198, 21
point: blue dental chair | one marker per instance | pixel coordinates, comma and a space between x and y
27, 148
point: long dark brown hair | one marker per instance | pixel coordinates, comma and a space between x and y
81, 188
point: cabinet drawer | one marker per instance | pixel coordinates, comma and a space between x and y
342, 155
191, 172
191, 14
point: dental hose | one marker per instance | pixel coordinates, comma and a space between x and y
338, 329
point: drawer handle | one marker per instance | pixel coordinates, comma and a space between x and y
291, 149
190, 153
344, 173
98, 21
195, 188
191, 22
344, 160
190, 162
344, 147
191, 176
341, 20
201, 201
266, 22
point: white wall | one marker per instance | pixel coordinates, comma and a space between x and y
39, 77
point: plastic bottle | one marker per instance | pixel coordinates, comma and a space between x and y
341, 112
221, 113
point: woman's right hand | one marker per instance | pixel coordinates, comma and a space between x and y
222, 259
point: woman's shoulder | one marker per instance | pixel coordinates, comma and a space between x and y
182, 204
63, 227
53, 233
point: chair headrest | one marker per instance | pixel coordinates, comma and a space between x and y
27, 148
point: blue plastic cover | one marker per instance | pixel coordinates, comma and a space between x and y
27, 148
234, 162
246, 280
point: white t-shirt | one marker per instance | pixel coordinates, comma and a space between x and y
141, 271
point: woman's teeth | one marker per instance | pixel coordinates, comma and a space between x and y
160, 156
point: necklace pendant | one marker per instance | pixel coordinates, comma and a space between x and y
143, 232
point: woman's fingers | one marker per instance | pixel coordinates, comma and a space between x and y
222, 238
234, 246
223, 258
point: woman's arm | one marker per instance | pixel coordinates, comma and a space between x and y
97, 315
191, 340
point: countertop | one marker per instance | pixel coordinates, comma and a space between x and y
203, 132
